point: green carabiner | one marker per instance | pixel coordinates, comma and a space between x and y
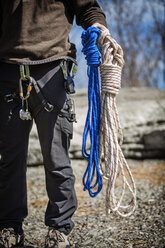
24, 72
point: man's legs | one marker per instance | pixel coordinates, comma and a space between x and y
60, 180
14, 134
55, 133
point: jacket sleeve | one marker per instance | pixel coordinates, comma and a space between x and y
87, 13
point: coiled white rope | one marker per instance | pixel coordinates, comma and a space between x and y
112, 161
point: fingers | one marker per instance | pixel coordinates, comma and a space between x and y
98, 25
103, 28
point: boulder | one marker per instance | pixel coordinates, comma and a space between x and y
142, 116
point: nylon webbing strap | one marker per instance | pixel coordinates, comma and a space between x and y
24, 71
47, 106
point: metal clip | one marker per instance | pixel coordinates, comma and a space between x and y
8, 98
74, 70
29, 88
64, 69
49, 107
25, 115
69, 83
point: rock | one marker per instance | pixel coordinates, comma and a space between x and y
142, 117
155, 138
34, 153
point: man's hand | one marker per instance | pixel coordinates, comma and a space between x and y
102, 27
98, 25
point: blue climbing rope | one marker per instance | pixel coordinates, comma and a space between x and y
92, 179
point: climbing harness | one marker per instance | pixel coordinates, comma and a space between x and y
30, 82
26, 83
92, 125
111, 162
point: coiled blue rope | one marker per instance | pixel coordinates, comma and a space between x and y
92, 179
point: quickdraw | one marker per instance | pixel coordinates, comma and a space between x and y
69, 83
24, 111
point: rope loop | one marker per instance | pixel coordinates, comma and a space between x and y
110, 78
111, 68
90, 49
111, 51
92, 178
110, 148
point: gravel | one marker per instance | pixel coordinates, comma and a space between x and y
145, 228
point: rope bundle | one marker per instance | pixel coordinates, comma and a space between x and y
102, 123
110, 149
92, 125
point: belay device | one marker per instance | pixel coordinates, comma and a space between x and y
105, 159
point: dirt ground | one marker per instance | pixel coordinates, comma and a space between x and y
145, 228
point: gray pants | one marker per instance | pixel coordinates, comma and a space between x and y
54, 133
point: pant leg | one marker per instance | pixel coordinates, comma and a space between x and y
54, 134
14, 134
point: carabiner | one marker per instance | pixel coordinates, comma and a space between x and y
29, 88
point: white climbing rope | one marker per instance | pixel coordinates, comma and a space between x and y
112, 161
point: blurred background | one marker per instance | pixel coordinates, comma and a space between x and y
139, 27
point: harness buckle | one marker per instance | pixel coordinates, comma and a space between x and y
49, 107
72, 118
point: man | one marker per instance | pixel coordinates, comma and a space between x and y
35, 33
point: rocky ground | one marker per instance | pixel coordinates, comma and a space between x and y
145, 228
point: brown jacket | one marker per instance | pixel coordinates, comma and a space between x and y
36, 31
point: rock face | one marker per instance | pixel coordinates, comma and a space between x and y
142, 117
